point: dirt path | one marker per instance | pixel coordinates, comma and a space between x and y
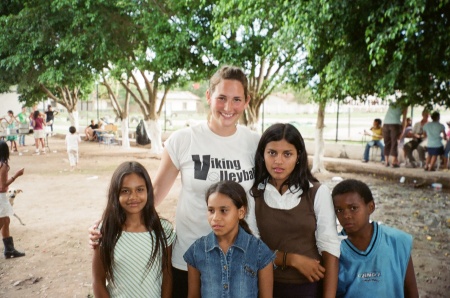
58, 206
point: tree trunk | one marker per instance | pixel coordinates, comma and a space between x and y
125, 134
251, 117
154, 132
319, 142
74, 119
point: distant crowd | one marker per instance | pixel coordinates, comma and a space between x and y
425, 145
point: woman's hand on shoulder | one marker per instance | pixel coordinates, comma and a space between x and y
94, 235
310, 268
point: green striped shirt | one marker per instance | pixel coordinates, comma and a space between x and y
131, 255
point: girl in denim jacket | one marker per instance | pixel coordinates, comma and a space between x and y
230, 261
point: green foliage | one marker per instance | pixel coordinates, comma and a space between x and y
363, 47
35, 55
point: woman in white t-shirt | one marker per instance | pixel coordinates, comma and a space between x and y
204, 154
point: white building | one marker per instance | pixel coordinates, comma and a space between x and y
9, 101
179, 102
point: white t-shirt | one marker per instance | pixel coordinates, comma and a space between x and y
72, 141
204, 158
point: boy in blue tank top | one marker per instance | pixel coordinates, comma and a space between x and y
375, 259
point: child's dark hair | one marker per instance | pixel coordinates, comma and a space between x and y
301, 174
378, 121
11, 112
353, 185
435, 116
72, 129
114, 218
236, 193
4, 153
36, 114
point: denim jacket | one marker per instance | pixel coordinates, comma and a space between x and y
234, 274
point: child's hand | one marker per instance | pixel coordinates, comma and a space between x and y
94, 235
19, 172
310, 268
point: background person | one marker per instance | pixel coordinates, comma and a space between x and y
50, 117
417, 136
5, 207
12, 121
72, 140
377, 135
434, 132
394, 123
23, 119
447, 148
89, 131
38, 131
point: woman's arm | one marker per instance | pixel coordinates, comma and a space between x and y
193, 282
265, 282
330, 281
166, 286
410, 286
165, 177
98, 276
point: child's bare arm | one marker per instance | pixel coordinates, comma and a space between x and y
98, 276
330, 281
410, 286
193, 282
265, 281
166, 287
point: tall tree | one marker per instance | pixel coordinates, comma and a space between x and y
36, 56
251, 34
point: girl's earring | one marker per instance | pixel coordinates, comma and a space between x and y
298, 162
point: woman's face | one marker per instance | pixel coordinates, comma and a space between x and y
280, 158
227, 103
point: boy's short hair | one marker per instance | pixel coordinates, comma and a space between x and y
72, 129
435, 116
353, 185
378, 120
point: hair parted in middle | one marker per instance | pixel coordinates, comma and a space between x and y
114, 218
237, 195
228, 72
301, 175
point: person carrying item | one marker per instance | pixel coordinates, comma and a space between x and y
417, 136
377, 135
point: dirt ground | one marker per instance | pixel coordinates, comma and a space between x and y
57, 207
